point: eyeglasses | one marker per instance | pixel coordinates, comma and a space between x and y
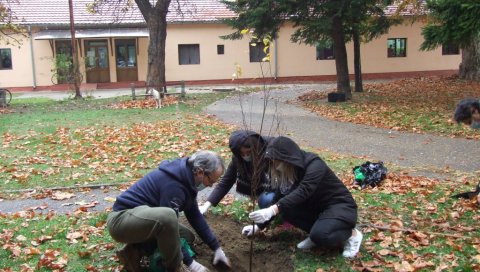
209, 179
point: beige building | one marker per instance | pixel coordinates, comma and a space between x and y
115, 54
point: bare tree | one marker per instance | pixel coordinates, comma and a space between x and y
9, 29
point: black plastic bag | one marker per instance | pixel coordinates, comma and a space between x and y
369, 173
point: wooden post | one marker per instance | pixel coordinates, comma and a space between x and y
132, 86
3, 98
182, 95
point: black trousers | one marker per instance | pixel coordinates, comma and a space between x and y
324, 232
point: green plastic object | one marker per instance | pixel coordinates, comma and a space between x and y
155, 262
187, 247
155, 259
359, 175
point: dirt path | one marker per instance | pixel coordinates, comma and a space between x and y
424, 151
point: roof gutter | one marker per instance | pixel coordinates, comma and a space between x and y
275, 56
32, 58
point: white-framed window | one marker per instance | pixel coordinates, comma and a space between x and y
220, 49
257, 51
188, 54
397, 47
5, 59
450, 48
325, 51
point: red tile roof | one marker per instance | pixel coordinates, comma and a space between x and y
56, 12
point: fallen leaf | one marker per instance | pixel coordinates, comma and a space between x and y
59, 195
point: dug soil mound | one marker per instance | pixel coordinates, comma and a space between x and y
272, 253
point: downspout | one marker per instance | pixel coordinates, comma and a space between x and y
275, 56
32, 56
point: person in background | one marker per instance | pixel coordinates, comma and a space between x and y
311, 197
146, 214
468, 112
248, 151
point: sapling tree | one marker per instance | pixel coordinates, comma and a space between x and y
263, 126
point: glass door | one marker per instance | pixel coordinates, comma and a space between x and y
96, 62
126, 60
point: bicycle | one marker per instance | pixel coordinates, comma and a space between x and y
66, 78
8, 97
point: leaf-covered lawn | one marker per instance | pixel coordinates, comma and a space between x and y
421, 105
112, 144
409, 223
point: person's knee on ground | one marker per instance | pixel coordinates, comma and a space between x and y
326, 240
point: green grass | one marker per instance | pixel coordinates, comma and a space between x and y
80, 240
47, 143
50, 143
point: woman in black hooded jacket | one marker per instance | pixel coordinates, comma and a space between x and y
311, 197
248, 152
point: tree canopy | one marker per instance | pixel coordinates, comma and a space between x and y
315, 22
456, 22
451, 21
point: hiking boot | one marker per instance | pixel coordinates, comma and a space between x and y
130, 256
352, 246
306, 244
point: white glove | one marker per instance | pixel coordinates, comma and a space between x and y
220, 257
197, 267
250, 230
263, 215
204, 208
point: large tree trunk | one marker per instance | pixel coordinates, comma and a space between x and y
156, 18
357, 63
470, 66
341, 65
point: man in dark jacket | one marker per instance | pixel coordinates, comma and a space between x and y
147, 213
248, 151
311, 197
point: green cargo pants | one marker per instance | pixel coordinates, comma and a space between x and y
143, 223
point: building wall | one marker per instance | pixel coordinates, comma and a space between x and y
292, 59
296, 59
375, 60
21, 72
212, 66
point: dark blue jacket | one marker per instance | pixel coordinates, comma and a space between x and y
171, 185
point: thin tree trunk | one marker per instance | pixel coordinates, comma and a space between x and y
341, 65
357, 63
470, 66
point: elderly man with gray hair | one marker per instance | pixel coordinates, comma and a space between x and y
145, 216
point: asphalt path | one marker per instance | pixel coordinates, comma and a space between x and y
279, 117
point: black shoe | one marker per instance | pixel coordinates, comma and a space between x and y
130, 256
